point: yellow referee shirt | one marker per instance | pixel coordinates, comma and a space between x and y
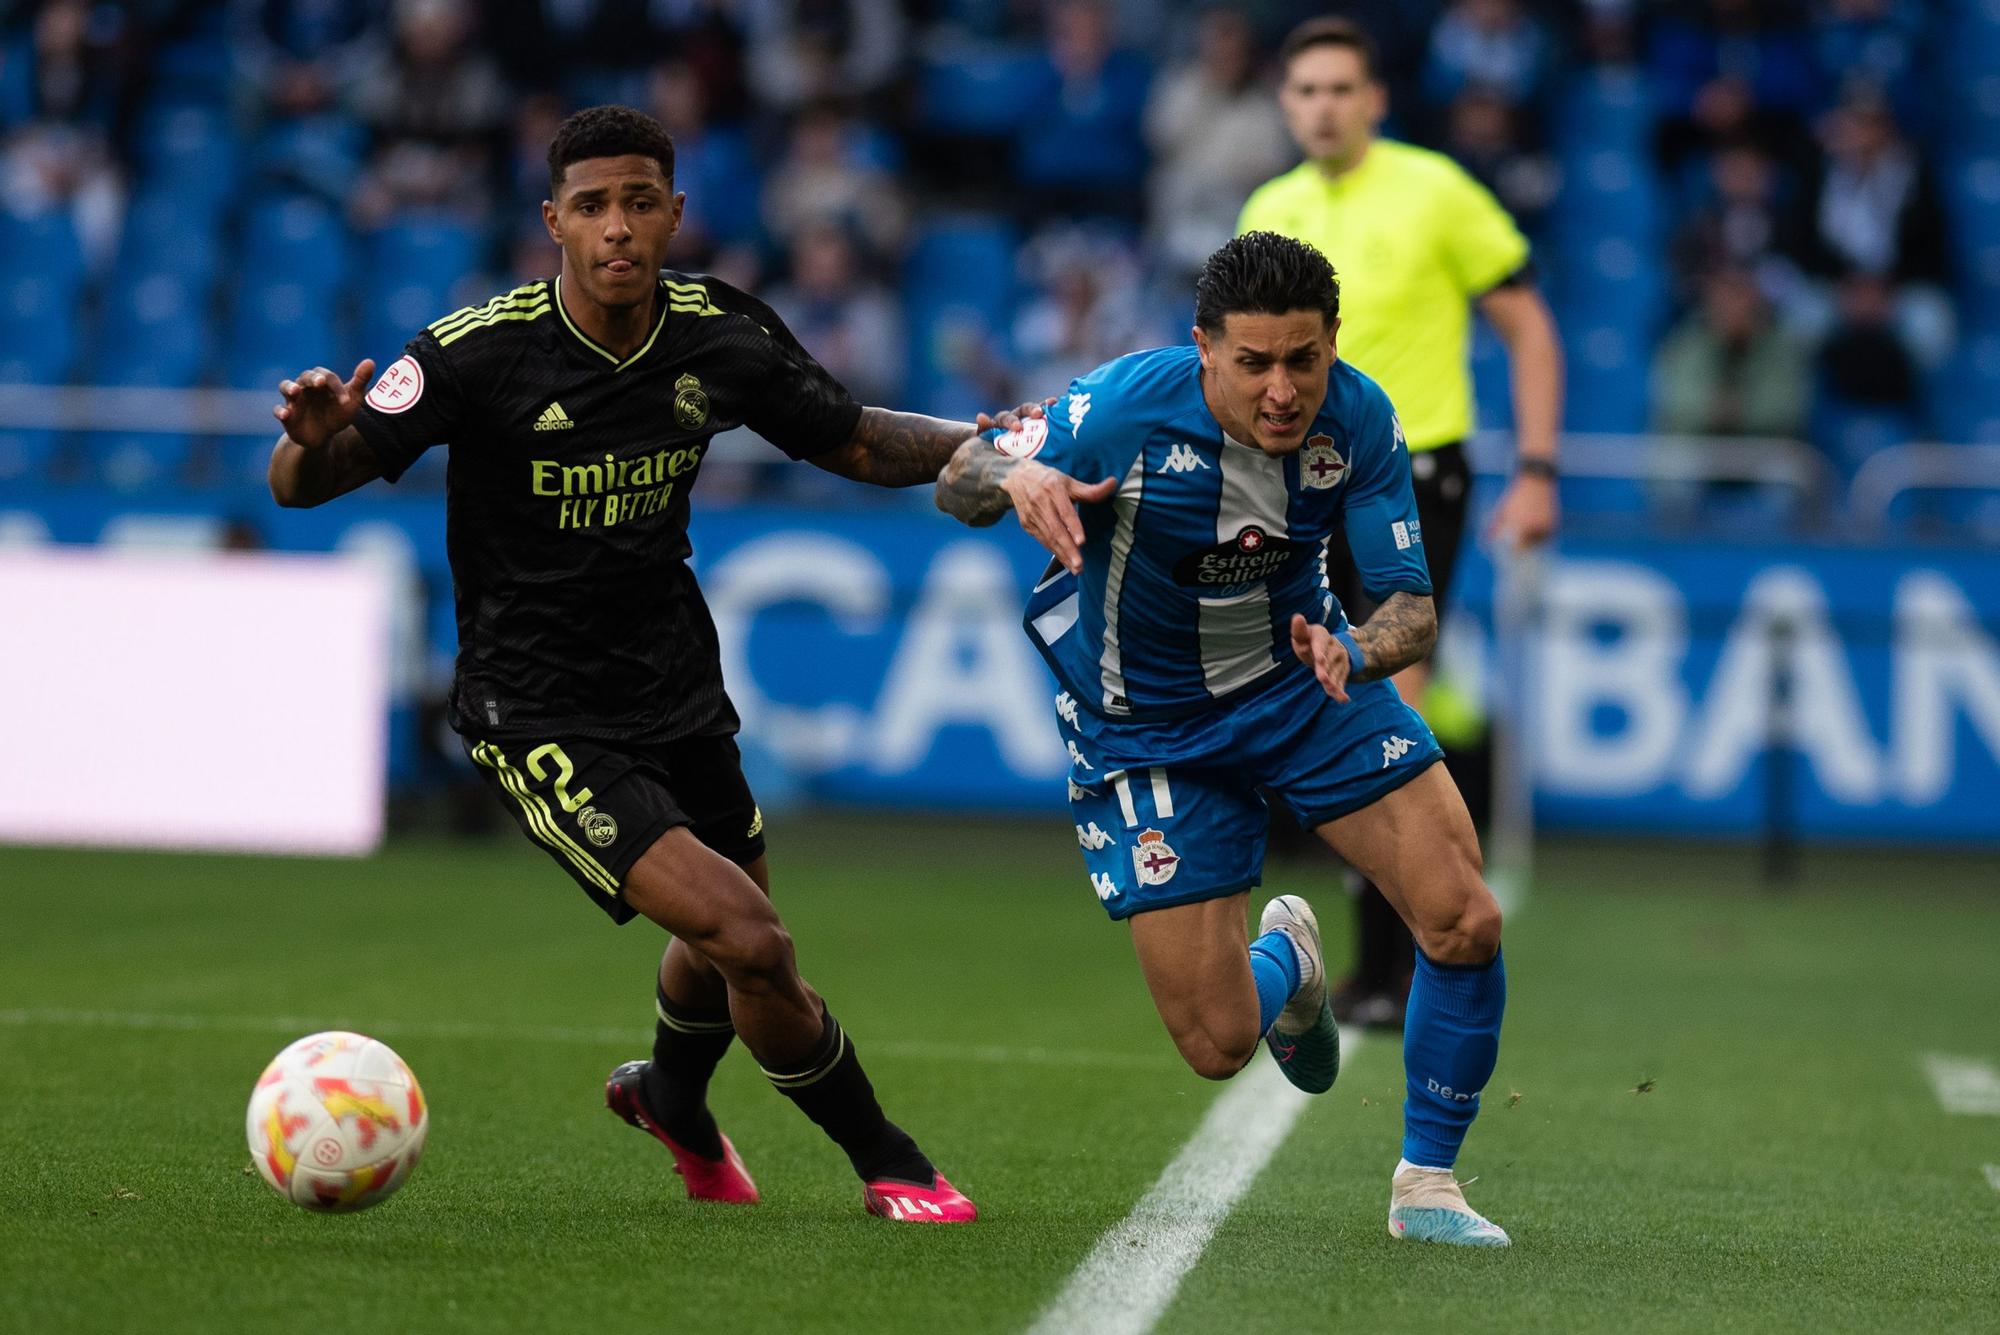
1415, 240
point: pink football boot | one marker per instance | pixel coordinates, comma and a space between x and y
939, 1203
724, 1179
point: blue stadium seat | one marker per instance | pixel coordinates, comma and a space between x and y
295, 240
277, 330
137, 461
166, 234
1848, 433
975, 91
428, 250
25, 453
322, 154
958, 289
44, 245
38, 329
189, 152
1609, 372
154, 331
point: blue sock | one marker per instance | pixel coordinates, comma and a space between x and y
1451, 1038
1274, 963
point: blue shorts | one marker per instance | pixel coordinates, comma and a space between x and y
1171, 813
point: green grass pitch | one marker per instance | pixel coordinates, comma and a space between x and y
1710, 1112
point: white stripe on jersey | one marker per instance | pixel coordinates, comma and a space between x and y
1236, 638
1163, 796
1111, 661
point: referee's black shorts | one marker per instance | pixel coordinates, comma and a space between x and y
596, 808
1442, 480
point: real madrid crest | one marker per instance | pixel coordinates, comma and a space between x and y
600, 827
1320, 464
690, 403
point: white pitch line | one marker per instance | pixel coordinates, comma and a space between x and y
1992, 1175
1964, 1085
1132, 1274
25, 1018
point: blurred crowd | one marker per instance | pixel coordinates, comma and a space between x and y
826, 145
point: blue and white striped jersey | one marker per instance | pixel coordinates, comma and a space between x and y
1193, 570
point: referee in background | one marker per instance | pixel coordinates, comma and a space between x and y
1418, 243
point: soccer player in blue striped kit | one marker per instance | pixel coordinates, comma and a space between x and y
1188, 495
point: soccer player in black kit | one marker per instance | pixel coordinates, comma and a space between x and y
589, 687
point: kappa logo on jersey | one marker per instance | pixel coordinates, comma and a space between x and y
1076, 756
397, 389
1066, 708
1153, 860
1077, 791
600, 827
1079, 408
553, 418
1320, 464
1101, 882
1396, 425
1025, 441
1090, 837
1182, 459
1395, 749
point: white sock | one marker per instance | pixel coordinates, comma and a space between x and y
1405, 1166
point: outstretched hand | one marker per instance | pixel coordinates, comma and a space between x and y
1327, 657
1045, 500
1010, 419
319, 405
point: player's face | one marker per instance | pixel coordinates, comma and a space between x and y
613, 218
1265, 375
1331, 106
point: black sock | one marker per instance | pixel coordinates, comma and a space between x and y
830, 1087
687, 1044
1386, 951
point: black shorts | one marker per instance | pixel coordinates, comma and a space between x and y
1442, 480
597, 808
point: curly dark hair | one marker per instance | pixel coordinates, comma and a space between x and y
608, 132
1263, 273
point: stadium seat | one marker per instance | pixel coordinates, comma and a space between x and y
958, 289
1848, 433
25, 453
137, 461
38, 329
277, 330
975, 91
320, 154
166, 234
154, 331
42, 245
188, 151
297, 240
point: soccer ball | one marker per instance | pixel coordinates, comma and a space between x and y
336, 1122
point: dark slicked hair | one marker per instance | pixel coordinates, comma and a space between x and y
608, 132
1263, 273
1332, 32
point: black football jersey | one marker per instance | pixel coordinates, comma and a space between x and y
567, 497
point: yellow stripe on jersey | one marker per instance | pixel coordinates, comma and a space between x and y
691, 298
1416, 241
534, 312
542, 821
523, 295
599, 348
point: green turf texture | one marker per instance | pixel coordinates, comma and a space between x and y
1721, 1123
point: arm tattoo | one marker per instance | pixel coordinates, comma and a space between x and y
969, 487
892, 449
1400, 633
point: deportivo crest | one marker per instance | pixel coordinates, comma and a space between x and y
690, 403
1153, 860
1320, 464
1025, 441
598, 826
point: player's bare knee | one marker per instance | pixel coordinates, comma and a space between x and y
1470, 935
1216, 1053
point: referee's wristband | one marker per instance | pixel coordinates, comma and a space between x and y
1357, 662
1537, 466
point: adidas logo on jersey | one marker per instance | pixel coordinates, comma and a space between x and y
553, 418
1182, 459
1395, 749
